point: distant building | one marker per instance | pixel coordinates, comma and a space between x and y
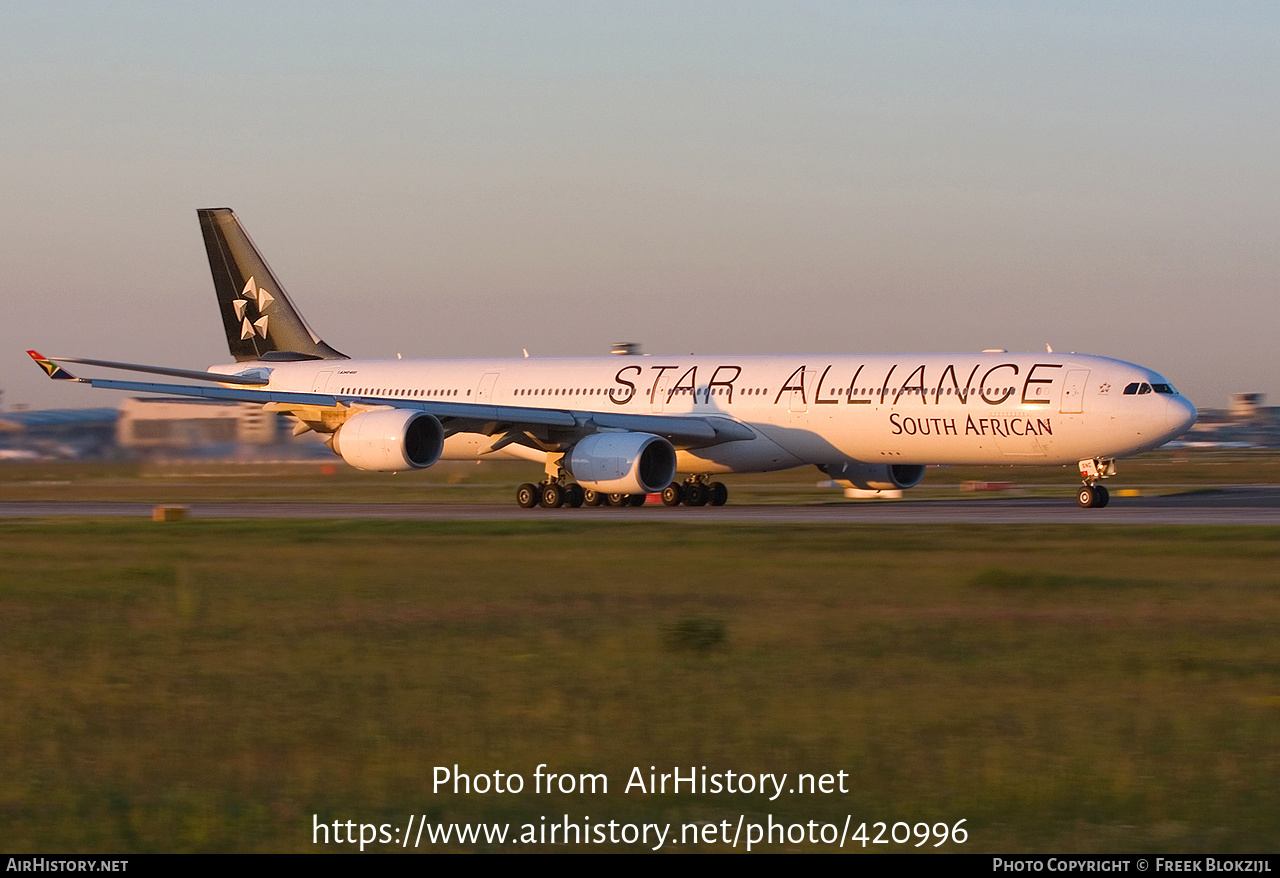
185, 424
1246, 408
65, 433
1245, 423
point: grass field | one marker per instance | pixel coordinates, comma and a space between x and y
205, 686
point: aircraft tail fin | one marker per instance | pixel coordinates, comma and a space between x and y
260, 321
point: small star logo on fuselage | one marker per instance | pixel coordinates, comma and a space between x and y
256, 301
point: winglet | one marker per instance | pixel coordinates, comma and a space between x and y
52, 369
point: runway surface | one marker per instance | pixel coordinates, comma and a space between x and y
1252, 504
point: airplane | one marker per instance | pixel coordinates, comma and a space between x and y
615, 429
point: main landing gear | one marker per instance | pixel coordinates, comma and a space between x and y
552, 494
696, 491
1092, 495
555, 491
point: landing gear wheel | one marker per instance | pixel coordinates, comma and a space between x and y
637, 499
1092, 497
527, 495
1102, 496
717, 494
552, 496
574, 495
617, 500
592, 498
672, 495
695, 494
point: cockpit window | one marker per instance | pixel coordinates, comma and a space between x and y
1141, 387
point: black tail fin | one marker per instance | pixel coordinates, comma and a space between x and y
261, 322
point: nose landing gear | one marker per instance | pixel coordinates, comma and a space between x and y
1092, 495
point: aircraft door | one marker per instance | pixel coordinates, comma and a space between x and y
660, 391
322, 380
1073, 392
798, 402
484, 391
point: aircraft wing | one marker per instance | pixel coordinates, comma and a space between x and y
549, 424
251, 377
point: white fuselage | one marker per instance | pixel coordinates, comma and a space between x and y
988, 408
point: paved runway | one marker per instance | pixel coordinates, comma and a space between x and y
1253, 504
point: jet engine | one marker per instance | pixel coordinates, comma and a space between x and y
389, 440
876, 476
622, 463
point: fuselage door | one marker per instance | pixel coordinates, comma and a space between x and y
322, 380
660, 391
484, 392
799, 401
1073, 392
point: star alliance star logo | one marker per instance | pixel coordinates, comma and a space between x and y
259, 299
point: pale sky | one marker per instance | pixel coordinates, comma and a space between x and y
457, 179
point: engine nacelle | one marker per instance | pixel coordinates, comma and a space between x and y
876, 476
389, 440
622, 463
